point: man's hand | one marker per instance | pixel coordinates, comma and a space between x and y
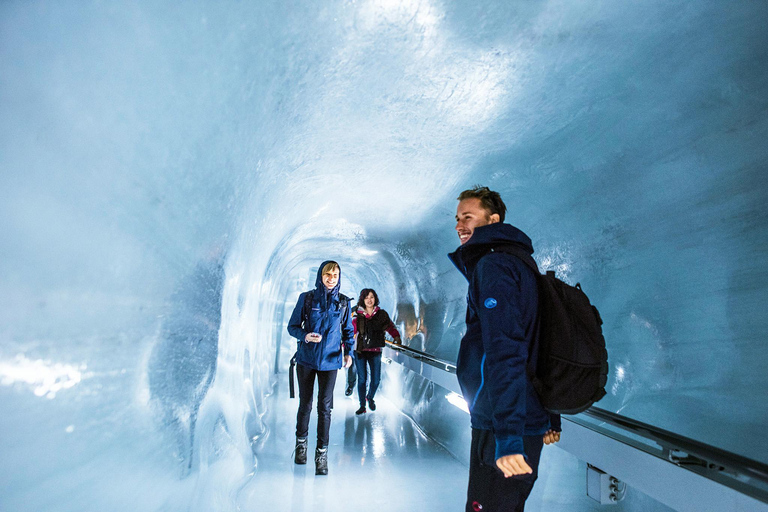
398, 341
347, 361
512, 465
313, 337
551, 437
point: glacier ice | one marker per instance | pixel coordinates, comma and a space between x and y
143, 142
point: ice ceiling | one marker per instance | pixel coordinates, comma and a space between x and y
141, 142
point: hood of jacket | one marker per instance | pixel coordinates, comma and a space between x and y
361, 311
323, 294
485, 238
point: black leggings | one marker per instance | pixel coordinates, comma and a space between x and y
325, 384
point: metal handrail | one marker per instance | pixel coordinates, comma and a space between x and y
697, 455
736, 471
424, 357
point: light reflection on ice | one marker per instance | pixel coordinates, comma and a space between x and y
45, 377
378, 439
620, 375
347, 131
457, 400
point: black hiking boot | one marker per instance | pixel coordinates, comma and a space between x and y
361, 410
321, 461
372, 404
348, 391
301, 451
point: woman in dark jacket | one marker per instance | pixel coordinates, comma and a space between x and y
370, 323
322, 324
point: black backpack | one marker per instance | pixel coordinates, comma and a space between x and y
572, 365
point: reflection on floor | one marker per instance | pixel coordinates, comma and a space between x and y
381, 461
377, 461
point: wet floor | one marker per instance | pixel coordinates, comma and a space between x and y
377, 461
381, 461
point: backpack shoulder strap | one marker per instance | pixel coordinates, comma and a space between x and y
523, 255
343, 305
520, 253
307, 308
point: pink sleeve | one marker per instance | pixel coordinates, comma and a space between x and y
392, 330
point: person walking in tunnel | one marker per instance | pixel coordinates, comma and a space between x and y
509, 424
370, 323
322, 324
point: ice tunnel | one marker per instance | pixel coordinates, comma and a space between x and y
172, 174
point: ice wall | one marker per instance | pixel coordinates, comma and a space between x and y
142, 144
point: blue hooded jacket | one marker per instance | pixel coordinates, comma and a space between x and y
502, 325
328, 318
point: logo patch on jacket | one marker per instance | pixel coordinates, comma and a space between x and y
490, 303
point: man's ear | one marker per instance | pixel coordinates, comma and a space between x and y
494, 218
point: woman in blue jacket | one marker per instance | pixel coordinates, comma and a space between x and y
322, 324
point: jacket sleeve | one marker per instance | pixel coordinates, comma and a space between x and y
347, 330
390, 328
506, 300
555, 422
295, 327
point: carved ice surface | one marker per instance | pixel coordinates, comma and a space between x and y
172, 174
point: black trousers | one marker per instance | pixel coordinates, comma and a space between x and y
352, 370
488, 489
325, 384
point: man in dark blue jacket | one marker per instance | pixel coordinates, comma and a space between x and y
509, 424
322, 324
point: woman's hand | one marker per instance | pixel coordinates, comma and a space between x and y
347, 361
313, 337
398, 341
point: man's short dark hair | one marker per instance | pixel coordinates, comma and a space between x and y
490, 200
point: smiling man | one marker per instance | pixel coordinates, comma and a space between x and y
321, 322
509, 424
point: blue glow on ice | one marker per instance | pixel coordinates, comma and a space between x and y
142, 144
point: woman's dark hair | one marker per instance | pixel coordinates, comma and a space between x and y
364, 294
490, 200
